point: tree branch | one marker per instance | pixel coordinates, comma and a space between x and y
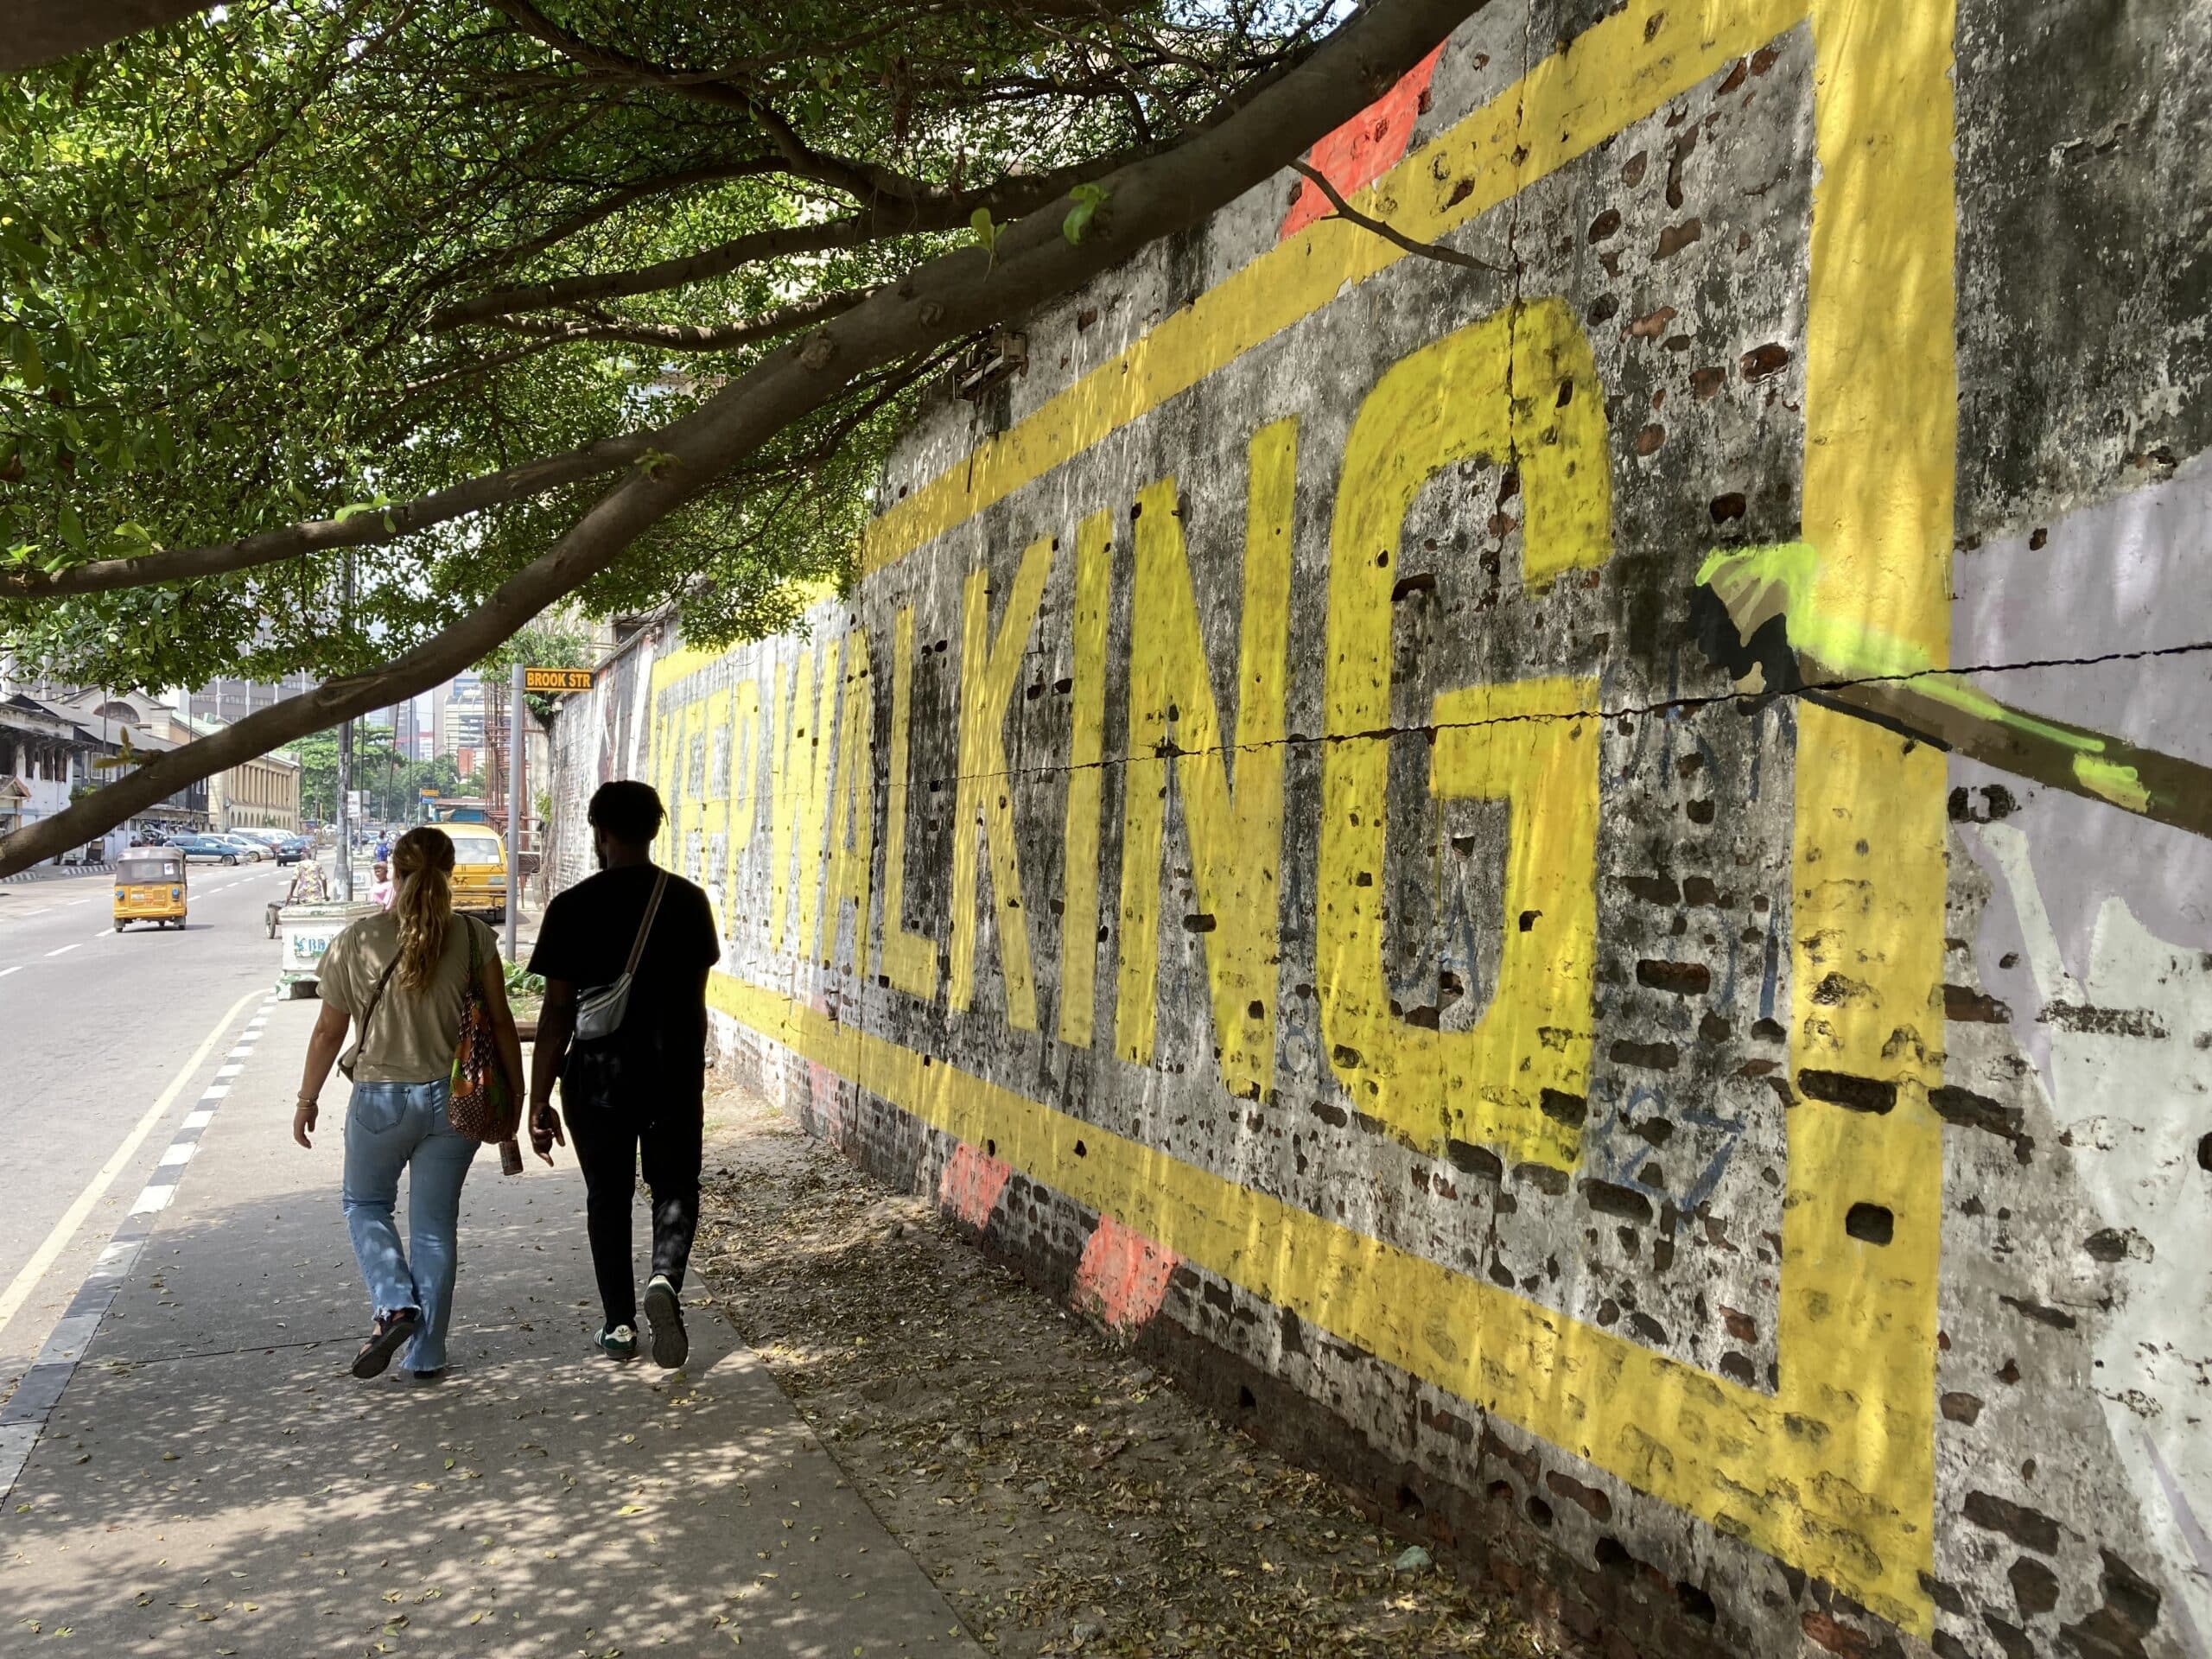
687, 337
933, 210
361, 529
1390, 234
47, 31
626, 195
484, 364
862, 179
953, 294
946, 210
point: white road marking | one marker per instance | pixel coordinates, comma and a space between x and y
17, 969
63, 951
215, 1091
199, 1119
223, 1071
153, 1198
180, 1154
19, 1288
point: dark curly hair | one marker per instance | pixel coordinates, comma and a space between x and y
628, 811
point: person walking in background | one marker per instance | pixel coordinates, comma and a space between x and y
400, 979
380, 889
625, 955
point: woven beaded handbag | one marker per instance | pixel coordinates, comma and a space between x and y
484, 1104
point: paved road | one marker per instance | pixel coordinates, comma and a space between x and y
94, 1027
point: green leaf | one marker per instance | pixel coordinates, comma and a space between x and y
30, 368
1090, 200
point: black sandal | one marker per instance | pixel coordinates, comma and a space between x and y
385, 1336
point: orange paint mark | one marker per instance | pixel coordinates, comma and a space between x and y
971, 1184
825, 1094
1364, 148
1122, 1277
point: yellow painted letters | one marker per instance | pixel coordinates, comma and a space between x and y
909, 959
983, 793
852, 814
1519, 388
1234, 831
1079, 874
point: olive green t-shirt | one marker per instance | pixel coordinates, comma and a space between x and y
411, 1035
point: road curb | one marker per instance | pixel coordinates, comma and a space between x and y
55, 872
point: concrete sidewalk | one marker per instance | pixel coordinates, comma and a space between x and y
213, 1482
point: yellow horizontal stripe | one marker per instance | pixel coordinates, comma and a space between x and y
1617, 72
1709, 1446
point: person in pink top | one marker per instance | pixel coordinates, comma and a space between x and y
380, 889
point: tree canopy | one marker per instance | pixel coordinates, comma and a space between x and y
510, 301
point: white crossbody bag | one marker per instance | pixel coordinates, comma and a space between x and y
600, 1014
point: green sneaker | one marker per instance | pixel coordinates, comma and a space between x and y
621, 1343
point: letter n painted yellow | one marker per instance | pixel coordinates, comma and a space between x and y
747, 757
796, 792
1519, 388
852, 812
1234, 828
983, 793
1079, 873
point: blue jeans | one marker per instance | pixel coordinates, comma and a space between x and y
390, 1127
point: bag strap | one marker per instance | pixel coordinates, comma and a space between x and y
652, 908
375, 998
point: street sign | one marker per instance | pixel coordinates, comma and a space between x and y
427, 794
556, 679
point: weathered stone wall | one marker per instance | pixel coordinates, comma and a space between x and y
1581, 884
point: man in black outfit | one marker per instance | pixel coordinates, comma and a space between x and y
640, 1088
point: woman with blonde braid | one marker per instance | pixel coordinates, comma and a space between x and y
400, 979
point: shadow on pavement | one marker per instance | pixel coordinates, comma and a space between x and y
213, 1482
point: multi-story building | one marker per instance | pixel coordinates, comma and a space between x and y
43, 759
54, 749
263, 793
122, 724
462, 728
230, 700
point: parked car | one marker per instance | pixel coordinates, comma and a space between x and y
282, 844
252, 851
218, 848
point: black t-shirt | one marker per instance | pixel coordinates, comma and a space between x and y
585, 938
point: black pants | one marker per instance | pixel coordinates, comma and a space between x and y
620, 1113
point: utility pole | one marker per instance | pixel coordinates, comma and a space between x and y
516, 797
341, 817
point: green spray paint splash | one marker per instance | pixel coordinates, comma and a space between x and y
1852, 666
